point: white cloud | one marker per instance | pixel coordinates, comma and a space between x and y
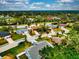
13, 4
36, 5
54, 6
65, 0
3, 2
48, 5
24, 5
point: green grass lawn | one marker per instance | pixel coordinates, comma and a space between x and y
2, 41
17, 36
23, 57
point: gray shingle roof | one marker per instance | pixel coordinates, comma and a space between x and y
3, 34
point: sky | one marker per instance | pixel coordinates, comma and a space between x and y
14, 5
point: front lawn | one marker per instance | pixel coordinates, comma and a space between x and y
2, 41
23, 57
17, 36
44, 39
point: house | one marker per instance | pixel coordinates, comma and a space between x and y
56, 40
33, 51
63, 25
64, 29
10, 43
52, 26
6, 36
21, 31
31, 19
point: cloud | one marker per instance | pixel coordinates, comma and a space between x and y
13, 4
48, 5
57, 5
36, 5
25, 5
3, 2
66, 1
54, 6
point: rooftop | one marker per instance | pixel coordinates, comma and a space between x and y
3, 34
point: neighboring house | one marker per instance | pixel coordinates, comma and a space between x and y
64, 29
63, 25
3, 34
6, 36
10, 43
52, 25
56, 18
33, 51
21, 31
29, 37
31, 19
22, 26
56, 40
